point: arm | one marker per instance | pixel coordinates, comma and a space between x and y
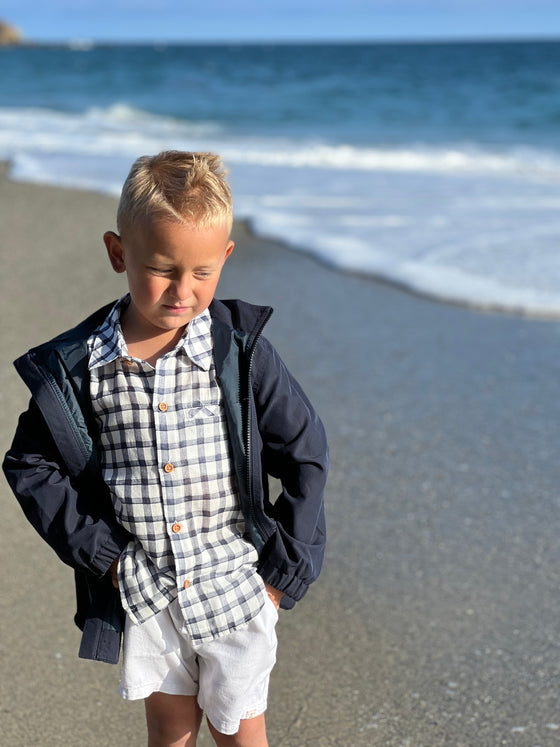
74, 517
295, 452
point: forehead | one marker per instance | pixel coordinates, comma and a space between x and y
160, 234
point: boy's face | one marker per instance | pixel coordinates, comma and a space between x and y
172, 270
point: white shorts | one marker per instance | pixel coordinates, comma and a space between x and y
229, 675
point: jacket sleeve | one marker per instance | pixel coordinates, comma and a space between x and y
294, 450
73, 515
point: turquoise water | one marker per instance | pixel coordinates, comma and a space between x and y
433, 165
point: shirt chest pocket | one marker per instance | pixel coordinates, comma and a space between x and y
203, 413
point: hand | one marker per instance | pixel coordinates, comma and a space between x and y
274, 595
113, 570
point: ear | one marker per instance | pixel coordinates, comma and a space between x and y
115, 251
229, 249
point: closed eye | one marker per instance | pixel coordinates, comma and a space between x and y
159, 270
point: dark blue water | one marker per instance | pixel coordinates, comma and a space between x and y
500, 93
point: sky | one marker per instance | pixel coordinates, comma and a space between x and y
281, 20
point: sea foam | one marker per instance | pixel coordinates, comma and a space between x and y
457, 221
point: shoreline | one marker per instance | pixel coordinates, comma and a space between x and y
477, 307
248, 225
435, 618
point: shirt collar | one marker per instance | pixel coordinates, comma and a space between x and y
107, 341
197, 341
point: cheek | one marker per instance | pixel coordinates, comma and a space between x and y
206, 292
151, 289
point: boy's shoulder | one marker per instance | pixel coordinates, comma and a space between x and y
240, 315
70, 338
68, 344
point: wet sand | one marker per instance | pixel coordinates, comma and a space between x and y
435, 621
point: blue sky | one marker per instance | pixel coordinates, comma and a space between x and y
283, 20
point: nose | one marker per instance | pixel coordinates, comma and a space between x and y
181, 288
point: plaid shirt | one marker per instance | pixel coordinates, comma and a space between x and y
166, 459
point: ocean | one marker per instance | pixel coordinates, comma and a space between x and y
432, 166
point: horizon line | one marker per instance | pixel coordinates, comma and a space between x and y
451, 39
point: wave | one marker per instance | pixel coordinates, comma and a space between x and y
450, 159
459, 222
131, 131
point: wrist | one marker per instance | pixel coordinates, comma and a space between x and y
274, 594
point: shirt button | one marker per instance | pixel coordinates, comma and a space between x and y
176, 528
186, 584
169, 468
162, 407
127, 362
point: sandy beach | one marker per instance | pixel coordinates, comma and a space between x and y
435, 621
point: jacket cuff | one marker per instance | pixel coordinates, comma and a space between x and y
293, 588
107, 553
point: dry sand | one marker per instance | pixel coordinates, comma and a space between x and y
435, 621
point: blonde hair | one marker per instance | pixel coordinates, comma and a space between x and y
183, 187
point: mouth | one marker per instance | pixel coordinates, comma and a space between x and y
176, 309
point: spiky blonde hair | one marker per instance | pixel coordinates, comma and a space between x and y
178, 185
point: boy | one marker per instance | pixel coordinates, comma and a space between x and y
143, 461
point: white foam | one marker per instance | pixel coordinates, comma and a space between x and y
119, 126
457, 222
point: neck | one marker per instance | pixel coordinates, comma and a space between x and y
152, 349
148, 345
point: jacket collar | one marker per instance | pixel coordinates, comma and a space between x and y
246, 319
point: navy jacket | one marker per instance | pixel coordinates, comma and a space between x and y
53, 465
